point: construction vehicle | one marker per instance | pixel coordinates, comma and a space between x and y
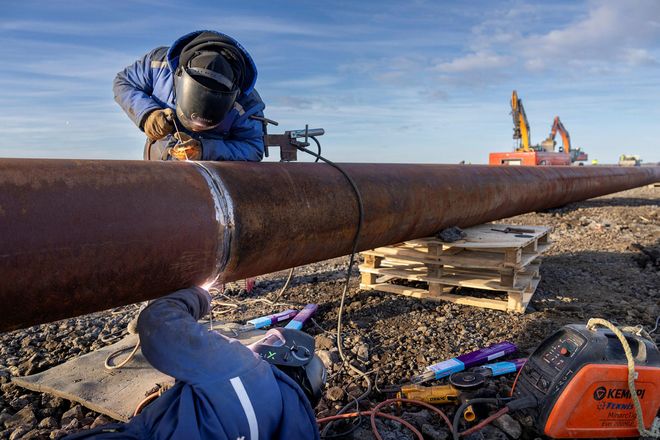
535, 155
576, 154
626, 160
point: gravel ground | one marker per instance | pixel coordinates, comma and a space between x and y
605, 262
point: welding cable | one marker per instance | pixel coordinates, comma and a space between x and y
591, 325
112, 337
485, 422
369, 413
351, 262
657, 320
376, 409
318, 147
151, 397
464, 405
510, 405
375, 412
357, 423
116, 353
144, 402
284, 287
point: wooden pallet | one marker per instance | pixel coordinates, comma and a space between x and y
486, 260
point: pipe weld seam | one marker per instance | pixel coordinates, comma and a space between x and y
224, 215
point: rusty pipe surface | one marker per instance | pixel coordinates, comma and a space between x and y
82, 236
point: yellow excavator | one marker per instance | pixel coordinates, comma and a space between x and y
520, 124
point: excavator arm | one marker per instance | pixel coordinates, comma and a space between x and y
520, 123
576, 154
557, 126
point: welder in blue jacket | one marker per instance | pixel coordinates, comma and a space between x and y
223, 389
195, 100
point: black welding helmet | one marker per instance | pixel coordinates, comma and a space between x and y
292, 351
207, 81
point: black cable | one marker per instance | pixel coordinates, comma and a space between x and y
318, 147
351, 262
461, 409
357, 422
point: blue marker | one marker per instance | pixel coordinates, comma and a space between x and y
299, 320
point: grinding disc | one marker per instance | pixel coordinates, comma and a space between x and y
467, 379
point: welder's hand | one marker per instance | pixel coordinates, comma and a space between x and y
159, 124
187, 148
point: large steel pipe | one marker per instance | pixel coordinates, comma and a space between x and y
82, 236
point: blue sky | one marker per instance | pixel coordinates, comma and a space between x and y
390, 81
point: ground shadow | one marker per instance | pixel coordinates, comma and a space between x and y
604, 202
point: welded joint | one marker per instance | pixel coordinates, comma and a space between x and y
224, 216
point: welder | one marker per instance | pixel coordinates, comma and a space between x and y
195, 100
223, 389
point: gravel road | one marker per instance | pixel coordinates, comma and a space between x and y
605, 262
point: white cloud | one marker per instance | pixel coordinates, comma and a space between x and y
73, 27
478, 61
613, 31
608, 36
311, 81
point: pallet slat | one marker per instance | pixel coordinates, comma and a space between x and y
486, 260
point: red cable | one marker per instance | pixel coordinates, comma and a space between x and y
485, 422
412, 402
372, 414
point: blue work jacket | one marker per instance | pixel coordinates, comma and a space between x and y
223, 390
148, 85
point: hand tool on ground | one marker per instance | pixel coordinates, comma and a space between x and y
299, 320
477, 376
435, 395
265, 321
295, 324
510, 230
460, 363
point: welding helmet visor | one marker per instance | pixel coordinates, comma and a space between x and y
292, 351
205, 89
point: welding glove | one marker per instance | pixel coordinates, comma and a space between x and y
187, 148
159, 124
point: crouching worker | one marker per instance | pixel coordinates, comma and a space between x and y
223, 389
195, 100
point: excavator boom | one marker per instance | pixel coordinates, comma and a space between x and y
520, 123
557, 126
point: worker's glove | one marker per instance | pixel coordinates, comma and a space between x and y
187, 148
159, 124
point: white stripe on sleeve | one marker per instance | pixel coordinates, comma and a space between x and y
247, 406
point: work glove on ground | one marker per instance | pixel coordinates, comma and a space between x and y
159, 124
187, 148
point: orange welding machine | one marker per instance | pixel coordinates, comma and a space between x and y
579, 378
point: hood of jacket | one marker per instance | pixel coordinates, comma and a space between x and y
250, 75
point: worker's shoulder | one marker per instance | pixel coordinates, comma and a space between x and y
158, 57
249, 104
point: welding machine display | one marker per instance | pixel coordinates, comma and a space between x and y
580, 379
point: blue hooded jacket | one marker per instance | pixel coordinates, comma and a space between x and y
223, 390
148, 85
